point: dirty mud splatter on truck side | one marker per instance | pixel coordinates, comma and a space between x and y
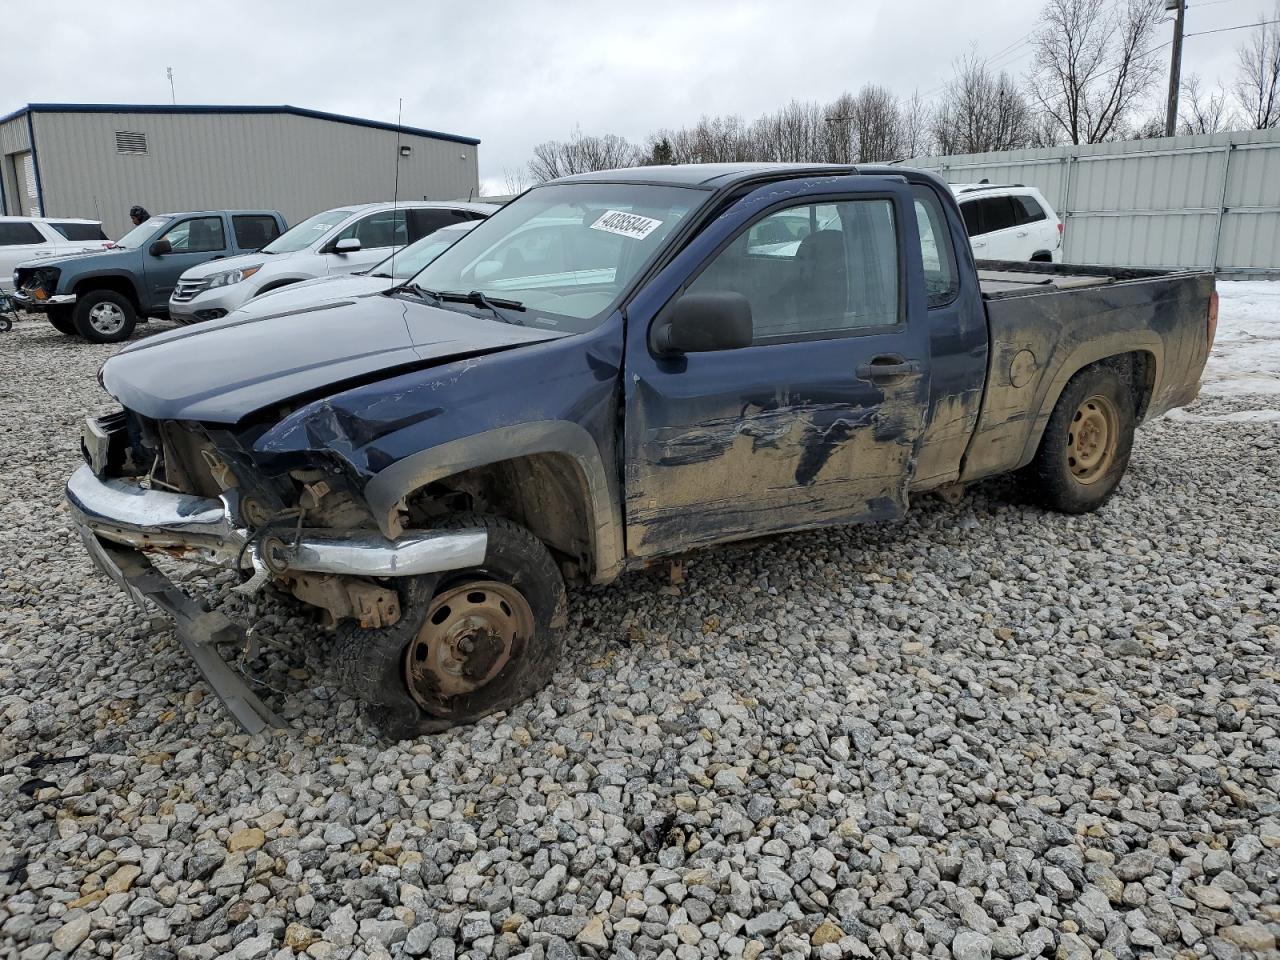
792, 466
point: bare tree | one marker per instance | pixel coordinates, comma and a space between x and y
841, 135
979, 112
917, 139
797, 133
877, 124
581, 154
515, 179
1093, 64
1203, 111
1257, 86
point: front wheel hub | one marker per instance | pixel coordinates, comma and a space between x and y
470, 634
106, 318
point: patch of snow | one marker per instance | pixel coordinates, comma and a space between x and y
1245, 360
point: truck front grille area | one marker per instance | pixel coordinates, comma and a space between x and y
38, 283
188, 290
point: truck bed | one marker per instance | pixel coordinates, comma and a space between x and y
1002, 279
1045, 321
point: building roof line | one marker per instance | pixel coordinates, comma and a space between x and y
232, 109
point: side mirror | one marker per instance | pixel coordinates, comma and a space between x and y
160, 248
701, 322
348, 245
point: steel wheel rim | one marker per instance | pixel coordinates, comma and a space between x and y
469, 636
1092, 439
106, 317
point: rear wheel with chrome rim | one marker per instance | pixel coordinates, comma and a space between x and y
104, 316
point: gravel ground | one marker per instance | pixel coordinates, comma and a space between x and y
986, 731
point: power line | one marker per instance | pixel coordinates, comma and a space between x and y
1243, 26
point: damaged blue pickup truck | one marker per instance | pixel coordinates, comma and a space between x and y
615, 368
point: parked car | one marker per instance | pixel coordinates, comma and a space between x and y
398, 268
1009, 222
103, 295
31, 238
428, 466
333, 243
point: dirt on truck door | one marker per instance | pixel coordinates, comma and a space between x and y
818, 420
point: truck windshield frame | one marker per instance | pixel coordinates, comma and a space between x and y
143, 232
568, 252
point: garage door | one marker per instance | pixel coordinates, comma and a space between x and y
28, 196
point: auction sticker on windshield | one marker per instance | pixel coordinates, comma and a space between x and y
626, 224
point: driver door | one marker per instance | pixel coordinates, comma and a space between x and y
819, 420
194, 241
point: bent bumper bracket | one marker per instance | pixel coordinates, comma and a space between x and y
198, 630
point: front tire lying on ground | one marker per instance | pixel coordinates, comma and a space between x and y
104, 316
468, 642
1086, 445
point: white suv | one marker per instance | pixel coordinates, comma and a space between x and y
1009, 222
34, 238
330, 244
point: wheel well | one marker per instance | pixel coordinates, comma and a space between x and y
1042, 256
547, 493
1138, 369
121, 285
1142, 366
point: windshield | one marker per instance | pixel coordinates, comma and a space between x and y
302, 235
565, 251
404, 263
141, 233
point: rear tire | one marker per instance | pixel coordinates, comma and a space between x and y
468, 642
1086, 445
104, 316
61, 320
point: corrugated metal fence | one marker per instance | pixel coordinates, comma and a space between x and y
1205, 201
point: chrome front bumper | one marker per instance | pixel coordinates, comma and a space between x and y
206, 530
31, 303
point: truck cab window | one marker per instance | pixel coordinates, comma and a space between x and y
941, 279
814, 271
197, 235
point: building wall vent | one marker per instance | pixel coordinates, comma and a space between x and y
130, 141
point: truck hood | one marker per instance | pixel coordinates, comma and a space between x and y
210, 267
224, 370
313, 293
88, 258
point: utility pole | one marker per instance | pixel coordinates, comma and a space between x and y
169, 73
1175, 66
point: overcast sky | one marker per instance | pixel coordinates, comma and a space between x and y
516, 73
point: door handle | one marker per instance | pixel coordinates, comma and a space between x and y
887, 367
1023, 233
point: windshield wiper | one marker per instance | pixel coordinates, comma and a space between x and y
384, 276
495, 305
